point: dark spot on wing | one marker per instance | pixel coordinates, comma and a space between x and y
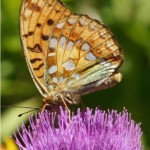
40, 76
37, 68
50, 22
45, 37
25, 35
35, 60
57, 11
34, 7
30, 33
37, 48
51, 49
38, 25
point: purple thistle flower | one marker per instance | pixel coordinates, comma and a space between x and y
89, 130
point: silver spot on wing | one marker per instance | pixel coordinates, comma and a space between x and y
69, 65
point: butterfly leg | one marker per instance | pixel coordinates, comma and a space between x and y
69, 112
44, 107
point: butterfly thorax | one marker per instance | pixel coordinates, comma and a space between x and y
57, 97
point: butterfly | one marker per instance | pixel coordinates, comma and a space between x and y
68, 55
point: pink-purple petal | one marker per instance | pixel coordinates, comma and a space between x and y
89, 130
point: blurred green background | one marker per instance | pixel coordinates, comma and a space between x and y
129, 20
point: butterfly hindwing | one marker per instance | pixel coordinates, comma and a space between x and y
85, 51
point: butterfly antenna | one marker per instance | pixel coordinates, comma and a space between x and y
26, 112
10, 106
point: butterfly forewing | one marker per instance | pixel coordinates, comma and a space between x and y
36, 22
75, 52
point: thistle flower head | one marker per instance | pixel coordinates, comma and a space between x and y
89, 130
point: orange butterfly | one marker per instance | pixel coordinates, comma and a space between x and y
67, 54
